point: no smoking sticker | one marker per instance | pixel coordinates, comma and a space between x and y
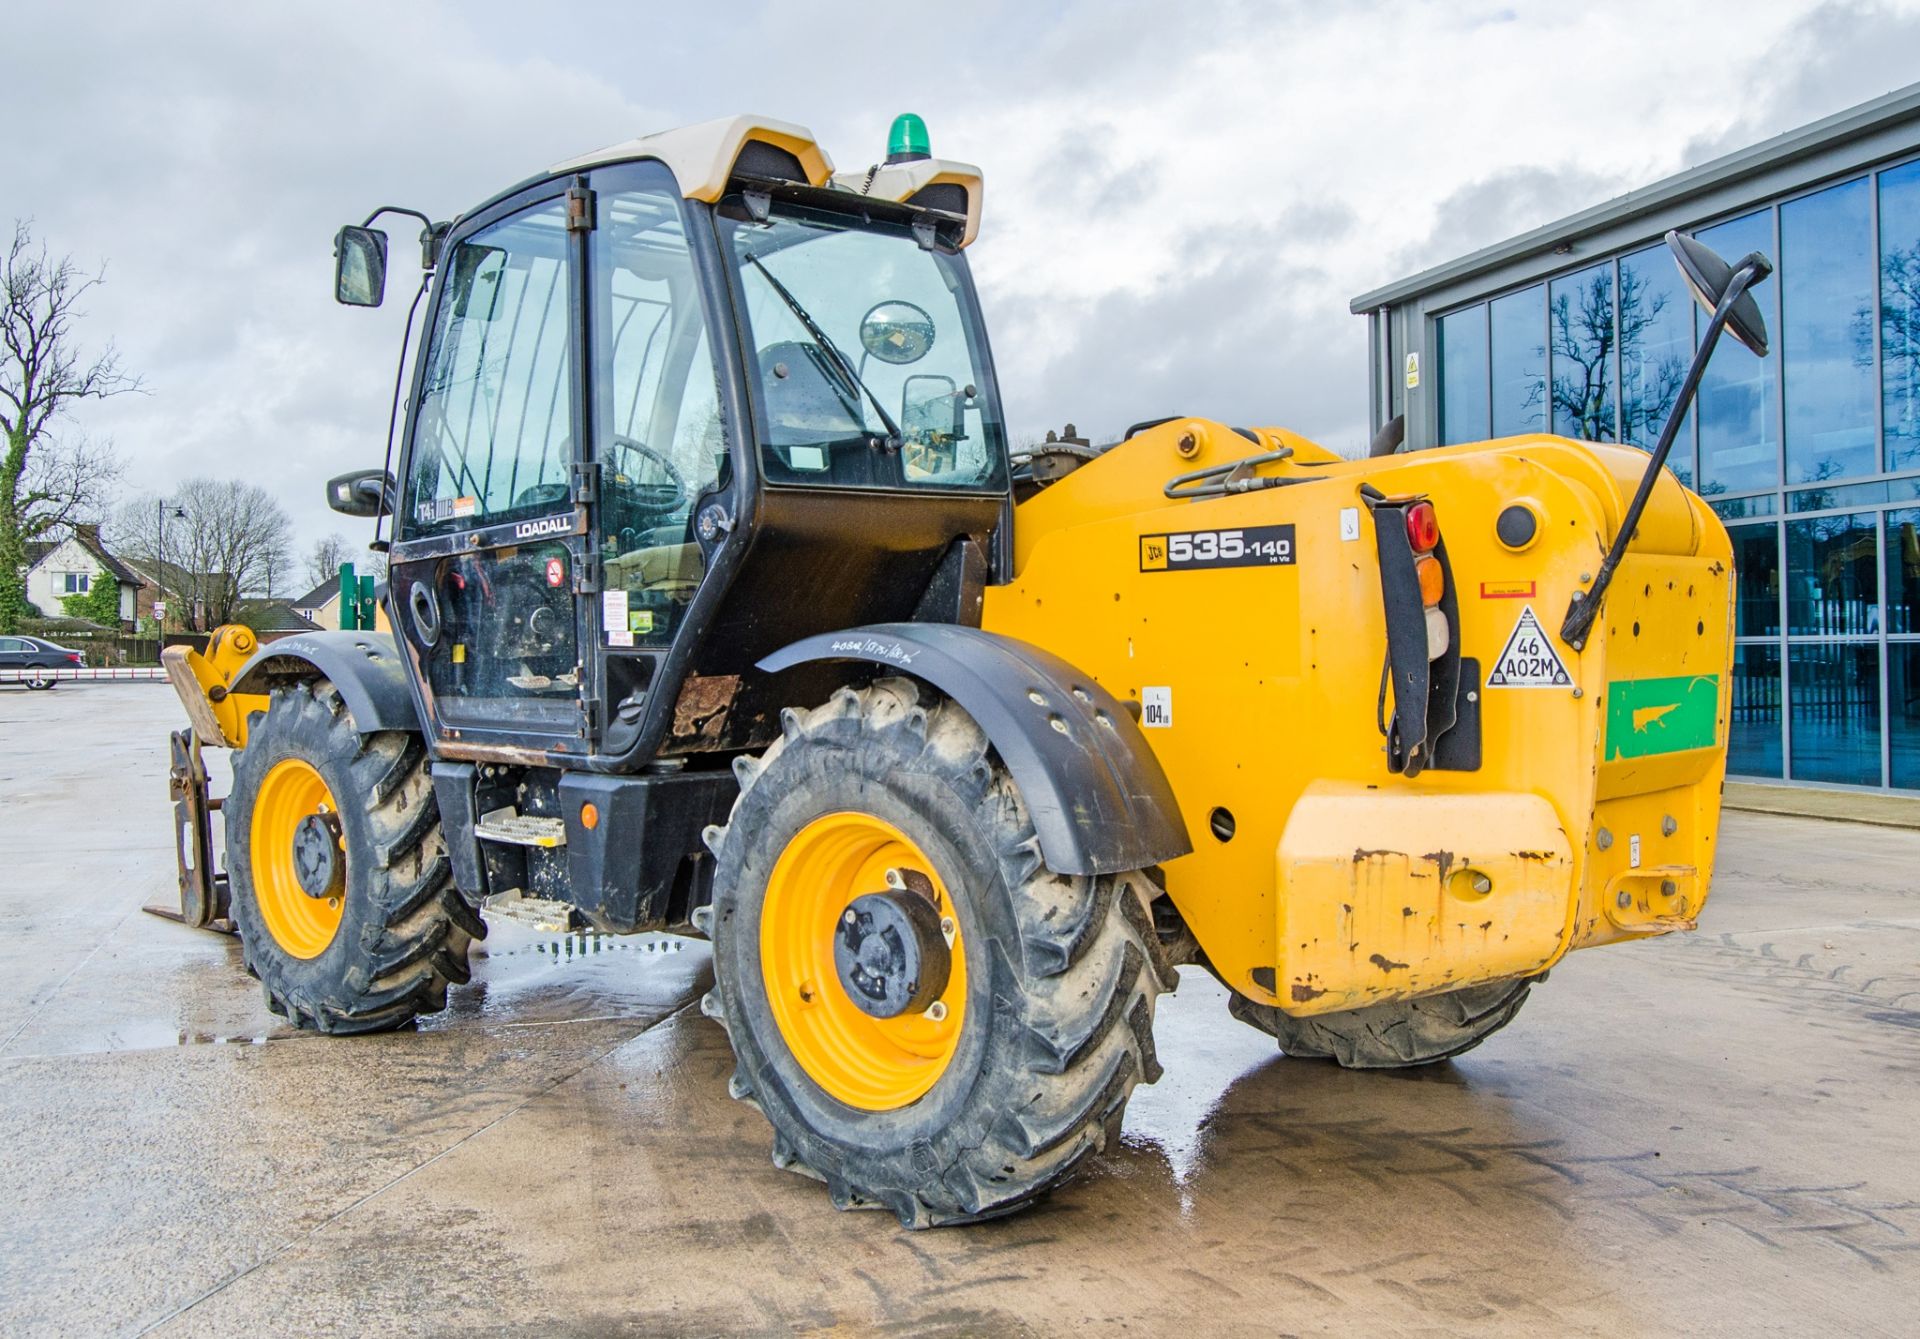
1529, 660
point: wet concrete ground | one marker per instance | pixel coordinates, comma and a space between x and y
1706, 1134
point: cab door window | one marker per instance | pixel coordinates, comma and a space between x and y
656, 404
493, 440
493, 443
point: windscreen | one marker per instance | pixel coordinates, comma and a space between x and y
869, 354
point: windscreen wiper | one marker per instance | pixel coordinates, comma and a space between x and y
894, 437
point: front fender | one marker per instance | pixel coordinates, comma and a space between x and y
364, 666
1099, 800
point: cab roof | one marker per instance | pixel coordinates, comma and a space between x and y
704, 158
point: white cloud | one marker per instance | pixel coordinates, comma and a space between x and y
1181, 199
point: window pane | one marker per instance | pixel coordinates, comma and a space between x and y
1734, 509
1833, 578
1739, 442
1756, 565
857, 330
1656, 344
1903, 571
656, 407
1900, 314
1753, 747
1836, 713
1903, 717
1463, 376
493, 439
1580, 323
1826, 336
1520, 362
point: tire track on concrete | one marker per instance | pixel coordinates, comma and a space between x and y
289, 1244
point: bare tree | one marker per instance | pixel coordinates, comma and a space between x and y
234, 540
45, 482
1583, 346
325, 557
1650, 379
1900, 353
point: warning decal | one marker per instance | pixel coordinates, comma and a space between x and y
1529, 660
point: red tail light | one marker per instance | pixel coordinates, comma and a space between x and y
77, 658
1423, 527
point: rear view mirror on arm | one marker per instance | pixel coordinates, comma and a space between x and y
362, 493
359, 266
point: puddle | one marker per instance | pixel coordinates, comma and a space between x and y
154, 1036
1203, 1053
526, 976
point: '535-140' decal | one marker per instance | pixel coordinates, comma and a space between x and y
1255, 546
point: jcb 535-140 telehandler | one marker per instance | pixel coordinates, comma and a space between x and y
719, 605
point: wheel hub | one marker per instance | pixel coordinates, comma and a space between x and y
316, 855
890, 953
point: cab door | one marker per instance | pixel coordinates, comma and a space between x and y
491, 525
660, 452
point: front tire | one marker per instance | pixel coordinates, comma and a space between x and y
378, 944
1021, 1069
1398, 1034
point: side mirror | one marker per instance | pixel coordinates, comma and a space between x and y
359, 266
897, 332
1709, 277
933, 408
363, 493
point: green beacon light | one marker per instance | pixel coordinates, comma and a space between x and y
907, 140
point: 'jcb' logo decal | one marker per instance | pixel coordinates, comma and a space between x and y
1153, 553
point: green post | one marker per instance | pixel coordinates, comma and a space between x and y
356, 601
349, 599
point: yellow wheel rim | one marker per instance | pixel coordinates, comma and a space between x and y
875, 1064
300, 924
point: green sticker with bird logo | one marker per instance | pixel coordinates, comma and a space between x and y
1646, 716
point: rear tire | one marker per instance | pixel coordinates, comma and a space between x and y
1398, 1034
1060, 972
400, 931
38, 680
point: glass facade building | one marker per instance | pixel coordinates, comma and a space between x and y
1811, 456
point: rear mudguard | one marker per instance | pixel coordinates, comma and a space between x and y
1099, 800
364, 666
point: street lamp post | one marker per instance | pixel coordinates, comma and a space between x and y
160, 511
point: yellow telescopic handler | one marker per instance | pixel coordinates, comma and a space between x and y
720, 605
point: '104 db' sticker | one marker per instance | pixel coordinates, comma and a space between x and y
1528, 659
1255, 546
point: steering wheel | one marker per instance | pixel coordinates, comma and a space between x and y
656, 499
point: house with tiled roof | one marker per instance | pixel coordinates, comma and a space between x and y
70, 565
273, 616
321, 606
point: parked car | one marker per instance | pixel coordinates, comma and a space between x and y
36, 653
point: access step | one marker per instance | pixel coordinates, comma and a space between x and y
516, 829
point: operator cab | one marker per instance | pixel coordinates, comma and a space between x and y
680, 403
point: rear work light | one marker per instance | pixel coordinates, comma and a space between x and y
1423, 527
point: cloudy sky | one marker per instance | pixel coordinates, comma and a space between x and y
1181, 199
